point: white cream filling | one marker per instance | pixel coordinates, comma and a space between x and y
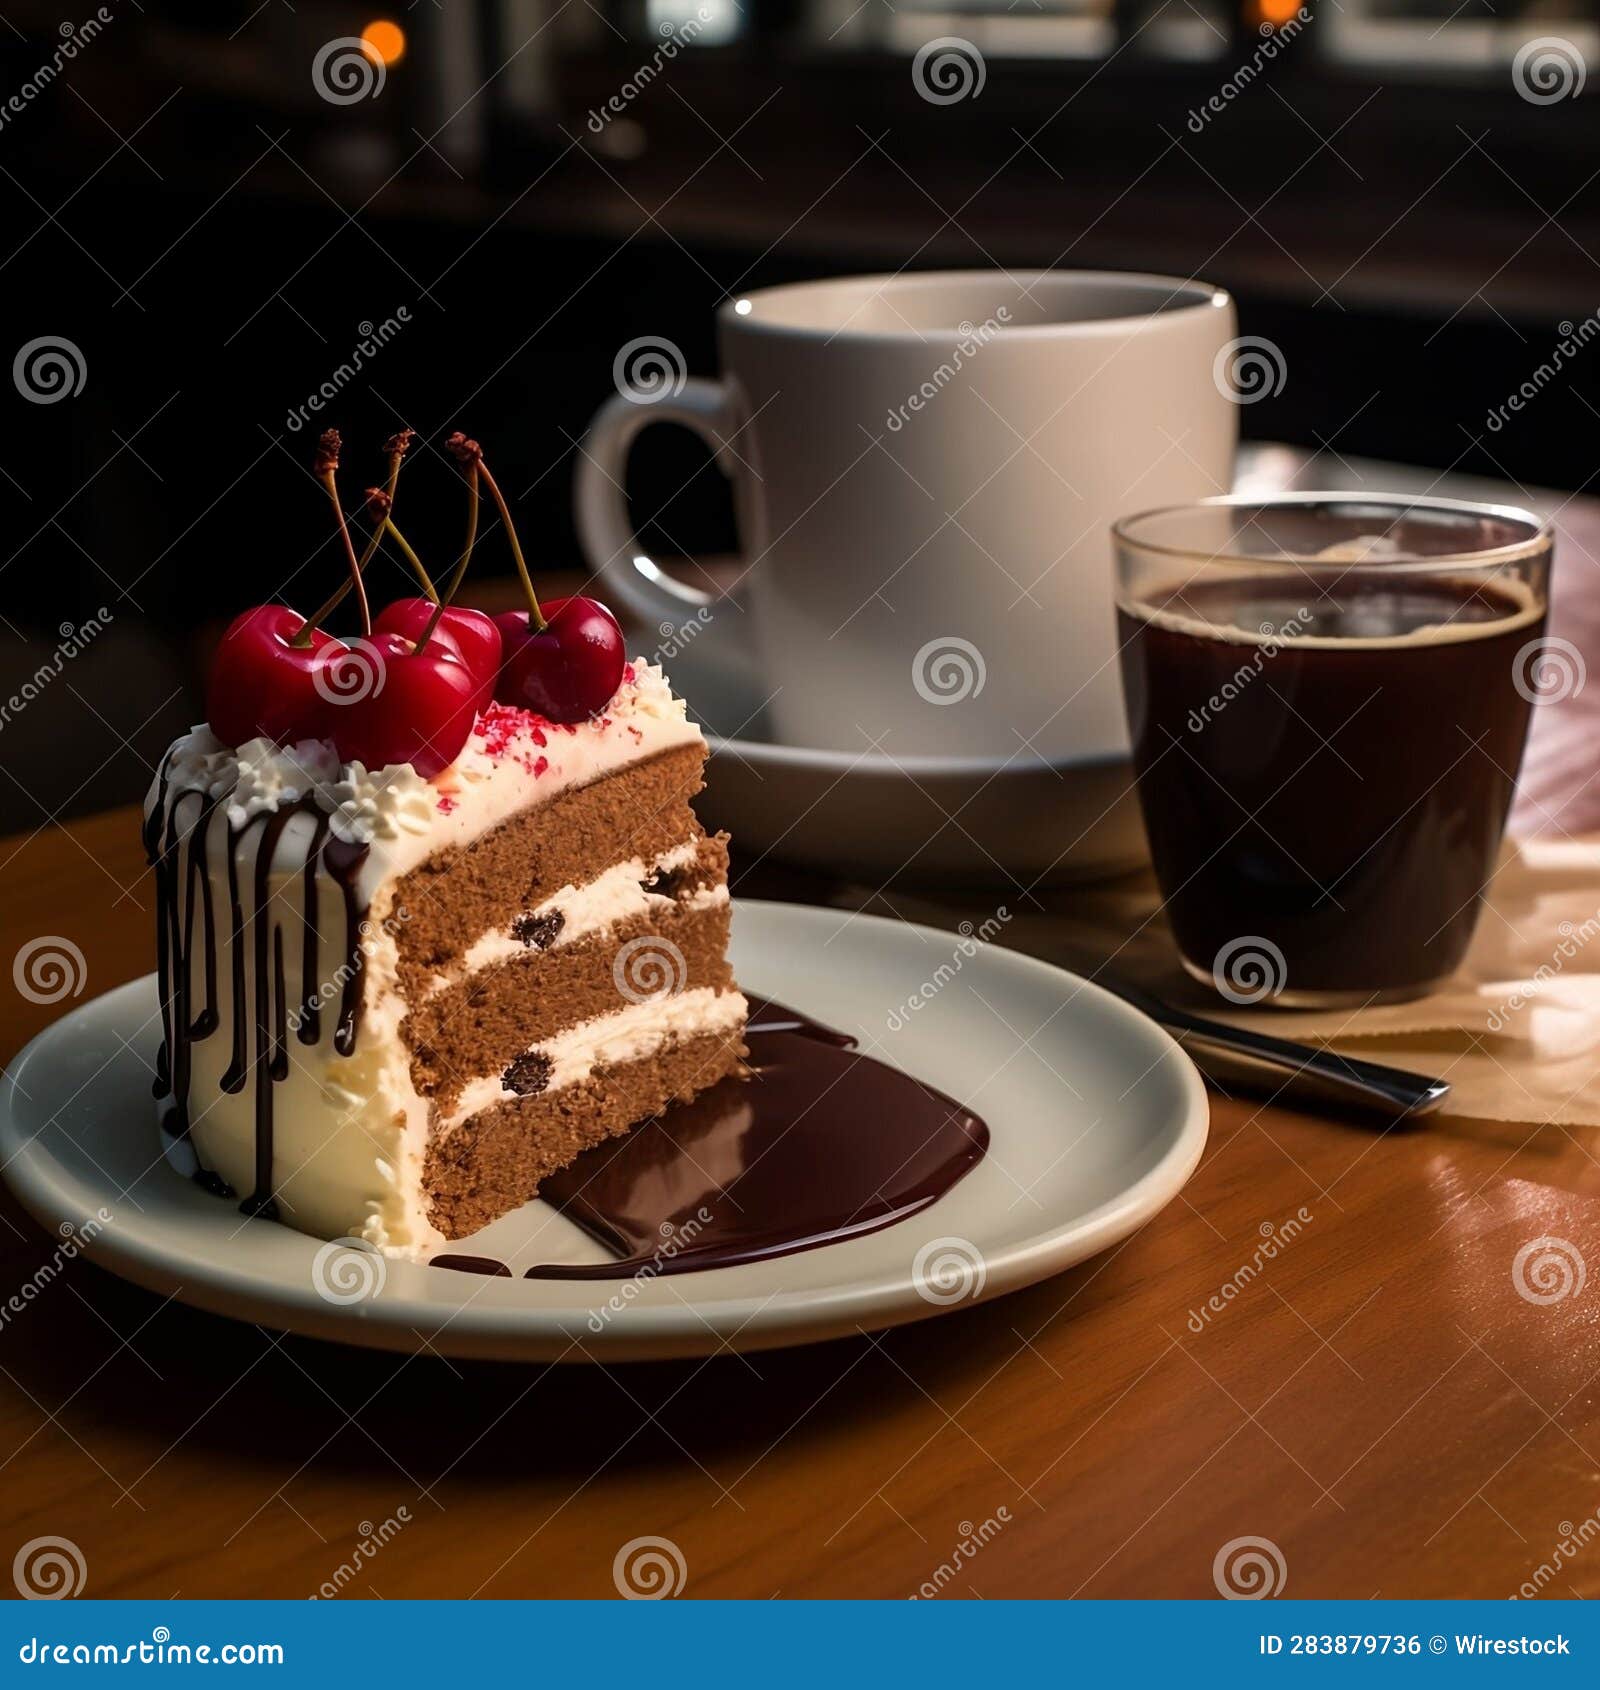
627, 1035
615, 895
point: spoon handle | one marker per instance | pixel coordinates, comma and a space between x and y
1306, 1071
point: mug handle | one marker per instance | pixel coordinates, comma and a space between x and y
600, 504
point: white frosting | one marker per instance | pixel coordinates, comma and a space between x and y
381, 804
350, 1133
266, 775
198, 760
628, 1035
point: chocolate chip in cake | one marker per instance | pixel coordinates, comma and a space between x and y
528, 1075
666, 882
539, 932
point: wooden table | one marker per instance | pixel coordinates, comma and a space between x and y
1378, 1401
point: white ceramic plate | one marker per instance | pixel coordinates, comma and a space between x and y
1097, 1120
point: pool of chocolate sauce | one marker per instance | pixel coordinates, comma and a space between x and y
819, 1144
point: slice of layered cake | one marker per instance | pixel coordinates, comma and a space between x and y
395, 999
391, 1006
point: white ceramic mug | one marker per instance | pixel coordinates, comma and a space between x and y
925, 467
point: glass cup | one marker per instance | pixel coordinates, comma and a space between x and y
1328, 696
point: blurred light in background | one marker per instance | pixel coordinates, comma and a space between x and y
1036, 29
708, 22
385, 40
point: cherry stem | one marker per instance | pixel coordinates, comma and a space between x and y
387, 526
460, 570
302, 636
399, 444
535, 615
329, 481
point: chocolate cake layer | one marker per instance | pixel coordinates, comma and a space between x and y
491, 1016
494, 1162
446, 903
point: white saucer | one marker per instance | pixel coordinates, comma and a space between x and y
1097, 1121
1000, 820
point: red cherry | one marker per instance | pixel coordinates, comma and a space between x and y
262, 683
515, 631
474, 633
419, 710
568, 671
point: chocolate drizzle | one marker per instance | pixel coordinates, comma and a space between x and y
343, 863
176, 903
310, 1029
205, 1023
485, 1265
238, 1069
268, 1006
186, 922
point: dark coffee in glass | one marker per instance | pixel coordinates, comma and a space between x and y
1328, 699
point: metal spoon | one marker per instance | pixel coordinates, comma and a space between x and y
1260, 1062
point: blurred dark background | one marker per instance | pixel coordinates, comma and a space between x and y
215, 213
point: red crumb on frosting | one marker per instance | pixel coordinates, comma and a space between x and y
507, 731
499, 725
502, 726
447, 803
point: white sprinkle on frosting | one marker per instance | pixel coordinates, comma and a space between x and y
268, 775
364, 805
